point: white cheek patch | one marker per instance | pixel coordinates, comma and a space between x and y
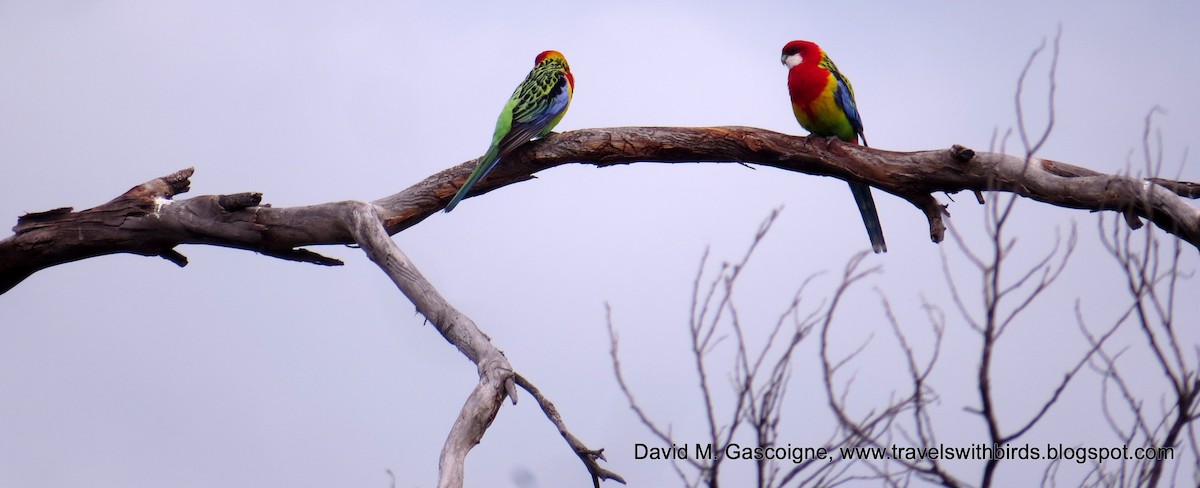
793, 60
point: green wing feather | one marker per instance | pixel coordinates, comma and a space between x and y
534, 109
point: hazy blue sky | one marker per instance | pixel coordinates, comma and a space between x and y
245, 371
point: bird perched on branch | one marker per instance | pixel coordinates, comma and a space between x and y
823, 102
534, 109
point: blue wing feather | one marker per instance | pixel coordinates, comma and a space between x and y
861, 191
845, 99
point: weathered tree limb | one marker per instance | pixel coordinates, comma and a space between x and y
913, 176
495, 373
147, 221
144, 220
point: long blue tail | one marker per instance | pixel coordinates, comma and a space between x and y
866, 206
486, 163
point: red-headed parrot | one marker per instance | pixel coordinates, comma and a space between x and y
823, 102
534, 109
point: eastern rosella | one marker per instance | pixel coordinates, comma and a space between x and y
823, 102
535, 108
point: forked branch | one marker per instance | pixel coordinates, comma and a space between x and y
497, 379
147, 220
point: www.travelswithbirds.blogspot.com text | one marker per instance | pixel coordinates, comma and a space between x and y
982, 452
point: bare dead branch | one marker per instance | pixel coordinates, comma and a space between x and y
922, 393
1032, 148
147, 220
1151, 280
588, 456
663, 434
495, 373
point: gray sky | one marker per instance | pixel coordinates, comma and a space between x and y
240, 370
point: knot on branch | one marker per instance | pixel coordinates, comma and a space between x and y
497, 370
962, 154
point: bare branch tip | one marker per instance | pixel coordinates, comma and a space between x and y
935, 213
174, 257
1132, 219
179, 181
304, 256
510, 387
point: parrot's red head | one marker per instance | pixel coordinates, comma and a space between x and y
797, 52
549, 55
